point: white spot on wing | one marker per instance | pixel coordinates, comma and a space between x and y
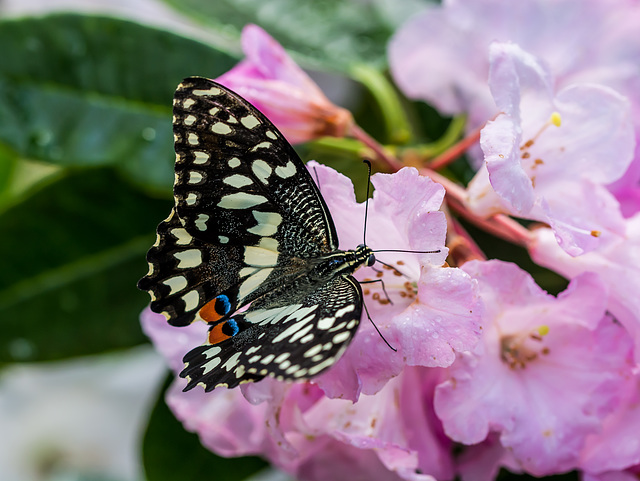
268, 223
191, 198
301, 332
319, 367
191, 300
286, 171
188, 103
182, 236
201, 222
250, 121
257, 256
232, 361
223, 239
271, 135
267, 359
201, 157
326, 323
193, 138
211, 91
261, 170
234, 162
176, 284
237, 181
190, 119
211, 364
189, 258
195, 177
221, 128
241, 200
341, 337
261, 145
253, 282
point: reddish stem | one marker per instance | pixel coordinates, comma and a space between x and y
499, 225
456, 150
387, 159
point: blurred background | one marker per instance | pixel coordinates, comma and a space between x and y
86, 168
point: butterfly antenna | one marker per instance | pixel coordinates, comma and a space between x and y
378, 330
366, 210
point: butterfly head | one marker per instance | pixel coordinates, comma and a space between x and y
362, 252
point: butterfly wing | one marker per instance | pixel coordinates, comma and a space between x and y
298, 339
246, 214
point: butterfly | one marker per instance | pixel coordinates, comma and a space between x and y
250, 248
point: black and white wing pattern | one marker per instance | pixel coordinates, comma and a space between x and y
249, 248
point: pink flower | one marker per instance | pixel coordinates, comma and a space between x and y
552, 173
275, 84
547, 372
617, 262
617, 446
626, 475
370, 416
442, 54
435, 311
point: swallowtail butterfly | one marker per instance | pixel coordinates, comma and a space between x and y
249, 248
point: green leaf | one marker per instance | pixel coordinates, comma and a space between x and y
72, 254
170, 453
332, 34
93, 91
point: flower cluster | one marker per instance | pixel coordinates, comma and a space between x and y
487, 362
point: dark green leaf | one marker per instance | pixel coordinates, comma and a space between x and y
170, 453
87, 91
332, 34
72, 254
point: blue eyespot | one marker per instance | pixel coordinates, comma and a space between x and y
234, 326
223, 306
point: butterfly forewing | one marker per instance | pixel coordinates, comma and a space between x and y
238, 179
244, 247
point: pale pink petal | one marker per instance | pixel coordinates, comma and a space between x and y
444, 320
617, 262
618, 445
572, 378
541, 171
277, 86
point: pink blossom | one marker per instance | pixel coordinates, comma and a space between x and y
547, 372
617, 262
626, 475
552, 173
370, 416
275, 84
442, 54
617, 446
438, 306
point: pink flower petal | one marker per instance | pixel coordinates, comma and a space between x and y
277, 86
554, 338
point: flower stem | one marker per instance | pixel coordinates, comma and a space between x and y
396, 122
452, 134
389, 161
499, 225
456, 150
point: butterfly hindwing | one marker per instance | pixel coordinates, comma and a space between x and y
185, 273
296, 340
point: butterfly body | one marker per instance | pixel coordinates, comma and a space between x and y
249, 248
